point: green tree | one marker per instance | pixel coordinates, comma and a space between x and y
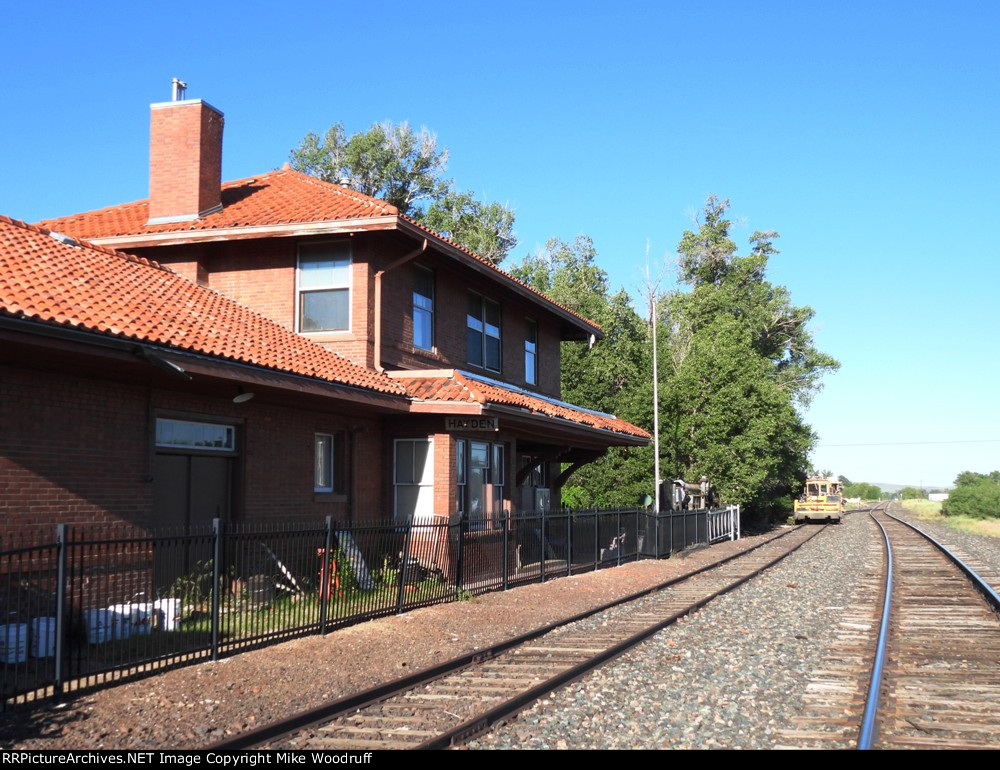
485, 228
861, 490
912, 493
388, 161
975, 494
405, 168
613, 376
744, 362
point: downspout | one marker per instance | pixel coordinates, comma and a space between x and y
378, 300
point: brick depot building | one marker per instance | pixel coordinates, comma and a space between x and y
273, 347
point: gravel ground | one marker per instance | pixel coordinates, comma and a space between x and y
727, 677
980, 553
196, 705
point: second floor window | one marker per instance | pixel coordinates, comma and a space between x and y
483, 332
531, 353
423, 309
324, 287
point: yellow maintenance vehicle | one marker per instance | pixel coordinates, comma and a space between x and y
822, 499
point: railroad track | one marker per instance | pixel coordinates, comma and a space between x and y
917, 661
455, 701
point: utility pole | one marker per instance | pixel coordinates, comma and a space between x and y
651, 289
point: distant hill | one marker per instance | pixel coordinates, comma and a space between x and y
896, 487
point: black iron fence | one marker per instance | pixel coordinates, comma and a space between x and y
98, 604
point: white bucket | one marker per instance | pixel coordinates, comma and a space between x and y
121, 620
132, 620
13, 643
168, 613
142, 618
43, 637
99, 623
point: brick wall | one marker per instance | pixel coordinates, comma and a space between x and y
450, 308
78, 450
261, 275
72, 450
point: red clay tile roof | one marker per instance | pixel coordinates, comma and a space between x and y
279, 197
96, 289
460, 386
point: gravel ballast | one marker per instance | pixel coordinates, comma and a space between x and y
729, 676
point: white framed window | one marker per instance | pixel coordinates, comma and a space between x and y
323, 286
413, 479
189, 434
531, 353
323, 463
483, 332
423, 308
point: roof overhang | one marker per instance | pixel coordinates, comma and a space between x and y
192, 366
558, 430
280, 230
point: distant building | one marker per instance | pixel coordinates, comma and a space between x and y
937, 497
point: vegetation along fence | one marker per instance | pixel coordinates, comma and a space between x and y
97, 604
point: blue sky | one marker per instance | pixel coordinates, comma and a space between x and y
867, 134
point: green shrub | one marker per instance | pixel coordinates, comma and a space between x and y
980, 499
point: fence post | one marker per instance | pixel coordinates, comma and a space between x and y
597, 538
216, 580
460, 565
506, 552
737, 522
569, 541
618, 535
544, 545
61, 548
638, 550
324, 590
402, 567
656, 534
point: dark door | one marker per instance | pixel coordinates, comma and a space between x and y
188, 492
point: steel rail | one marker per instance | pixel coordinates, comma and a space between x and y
977, 581
867, 732
327, 711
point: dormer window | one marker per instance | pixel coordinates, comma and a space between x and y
324, 287
483, 333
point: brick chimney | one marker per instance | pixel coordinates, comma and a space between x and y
185, 160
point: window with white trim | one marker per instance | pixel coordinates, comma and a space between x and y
323, 281
483, 332
423, 308
413, 479
329, 463
323, 463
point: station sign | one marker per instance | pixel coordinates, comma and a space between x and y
472, 423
